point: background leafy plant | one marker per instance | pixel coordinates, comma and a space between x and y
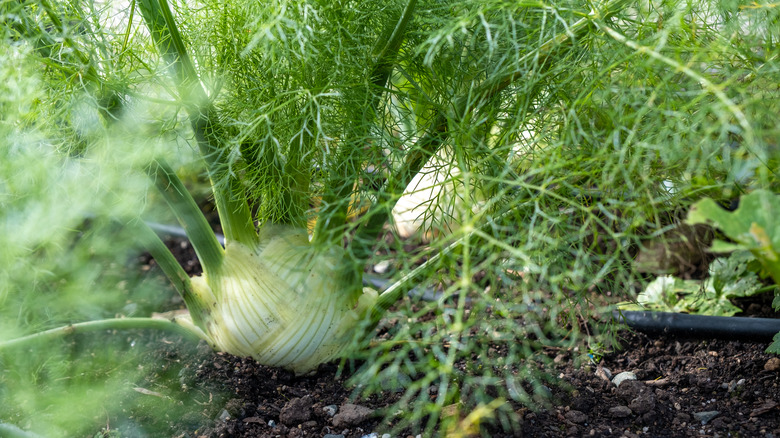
751, 227
729, 278
571, 134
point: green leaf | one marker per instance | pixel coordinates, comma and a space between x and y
668, 294
774, 347
753, 226
731, 277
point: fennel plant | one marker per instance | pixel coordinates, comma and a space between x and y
563, 136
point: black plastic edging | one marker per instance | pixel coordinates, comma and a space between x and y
700, 326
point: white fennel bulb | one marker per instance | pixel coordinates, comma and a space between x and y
280, 302
436, 200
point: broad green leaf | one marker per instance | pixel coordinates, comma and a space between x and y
753, 226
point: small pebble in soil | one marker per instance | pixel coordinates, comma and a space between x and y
772, 364
705, 416
604, 373
330, 410
733, 385
370, 435
622, 377
331, 435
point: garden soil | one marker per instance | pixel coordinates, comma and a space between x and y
682, 388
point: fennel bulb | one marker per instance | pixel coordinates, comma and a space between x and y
436, 199
280, 302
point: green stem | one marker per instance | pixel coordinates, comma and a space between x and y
234, 213
387, 47
189, 215
229, 196
296, 181
175, 273
103, 324
344, 175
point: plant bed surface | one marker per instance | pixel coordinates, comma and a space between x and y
678, 382
683, 387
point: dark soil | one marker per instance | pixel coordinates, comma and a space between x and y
683, 387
